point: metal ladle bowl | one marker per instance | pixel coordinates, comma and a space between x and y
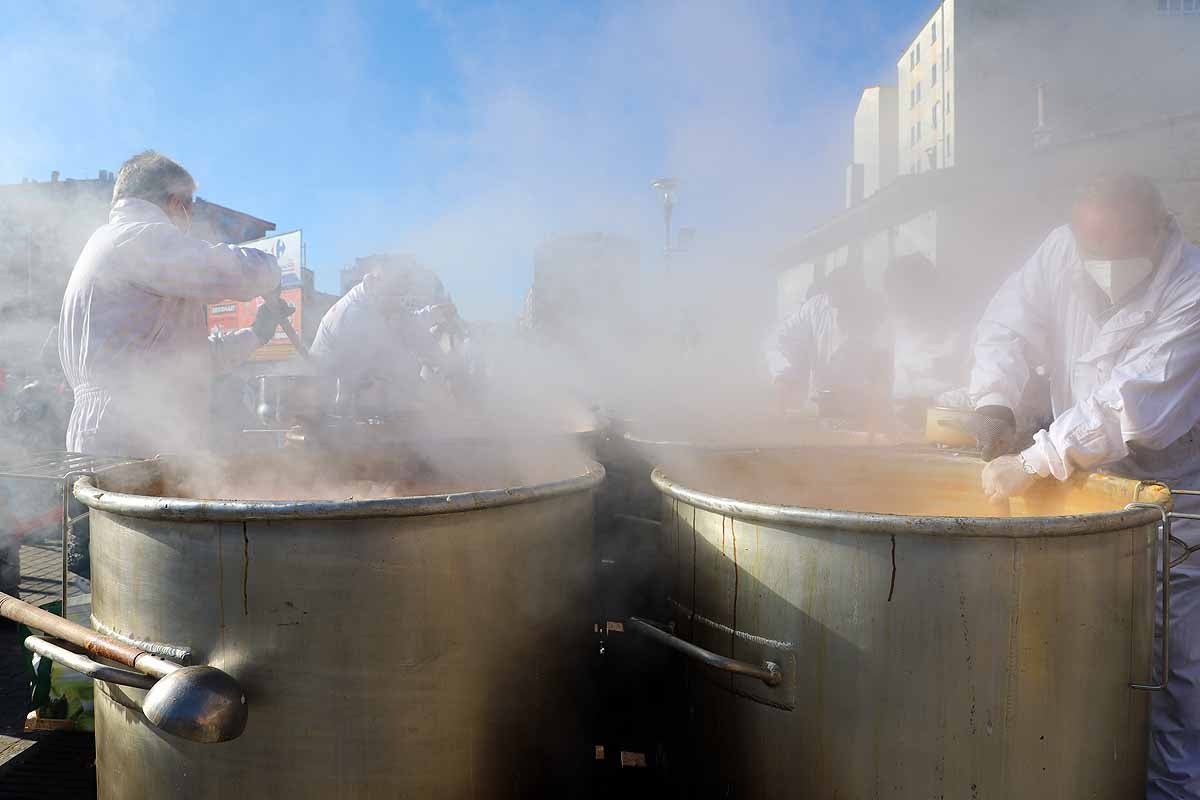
199, 703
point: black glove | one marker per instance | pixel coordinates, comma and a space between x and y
266, 320
995, 431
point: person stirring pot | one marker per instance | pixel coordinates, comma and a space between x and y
1109, 304
134, 341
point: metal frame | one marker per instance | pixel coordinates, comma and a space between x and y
64, 468
1187, 550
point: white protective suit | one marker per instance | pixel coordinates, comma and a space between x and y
383, 333
803, 346
1125, 388
814, 348
133, 332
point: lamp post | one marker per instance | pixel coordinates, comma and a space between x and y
666, 189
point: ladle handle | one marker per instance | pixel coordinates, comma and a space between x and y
285, 322
769, 673
93, 643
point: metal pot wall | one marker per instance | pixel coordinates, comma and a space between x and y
928, 652
406, 647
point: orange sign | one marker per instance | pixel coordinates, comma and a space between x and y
233, 315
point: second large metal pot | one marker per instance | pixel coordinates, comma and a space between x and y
859, 623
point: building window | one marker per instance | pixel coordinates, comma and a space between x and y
914, 56
918, 130
1179, 6
946, 59
933, 33
912, 97
933, 115
918, 88
947, 150
947, 104
912, 135
933, 74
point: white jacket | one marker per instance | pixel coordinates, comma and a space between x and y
804, 344
133, 333
374, 332
1125, 382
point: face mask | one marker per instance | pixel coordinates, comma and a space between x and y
1118, 277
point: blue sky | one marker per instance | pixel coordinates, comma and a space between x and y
462, 132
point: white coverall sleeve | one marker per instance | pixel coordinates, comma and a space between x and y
1151, 398
162, 259
1016, 321
789, 352
329, 346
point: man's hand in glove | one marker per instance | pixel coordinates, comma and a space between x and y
994, 429
266, 320
1007, 476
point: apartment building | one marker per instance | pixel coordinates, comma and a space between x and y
925, 80
1024, 100
874, 161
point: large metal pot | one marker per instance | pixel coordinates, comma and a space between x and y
627, 541
432, 646
858, 623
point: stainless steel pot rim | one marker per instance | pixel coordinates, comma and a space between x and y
191, 510
893, 524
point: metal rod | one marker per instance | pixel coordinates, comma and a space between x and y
55, 651
91, 642
768, 673
1165, 553
65, 530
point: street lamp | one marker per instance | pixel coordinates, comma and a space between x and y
666, 188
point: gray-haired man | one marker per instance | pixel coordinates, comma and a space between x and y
134, 340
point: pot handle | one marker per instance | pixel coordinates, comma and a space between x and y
1168, 564
769, 673
1165, 582
54, 650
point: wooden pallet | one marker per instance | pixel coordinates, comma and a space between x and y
14, 750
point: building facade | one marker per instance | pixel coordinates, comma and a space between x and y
1005, 107
875, 145
925, 80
